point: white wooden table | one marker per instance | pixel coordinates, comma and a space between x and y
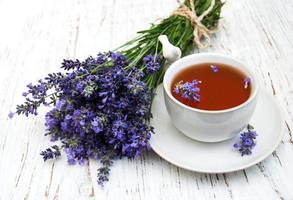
36, 35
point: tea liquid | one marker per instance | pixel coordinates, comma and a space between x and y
218, 90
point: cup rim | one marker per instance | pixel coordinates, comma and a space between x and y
251, 97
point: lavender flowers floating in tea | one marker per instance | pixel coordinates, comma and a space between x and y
215, 68
246, 82
188, 90
221, 86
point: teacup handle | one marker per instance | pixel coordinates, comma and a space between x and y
170, 52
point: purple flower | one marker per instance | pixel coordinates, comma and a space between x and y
247, 141
76, 113
64, 126
11, 114
177, 90
101, 58
151, 63
82, 122
68, 117
91, 62
103, 174
70, 156
215, 68
51, 153
60, 104
69, 106
51, 122
188, 90
117, 56
101, 109
97, 125
70, 64
80, 86
25, 94
36, 94
246, 82
71, 75
118, 59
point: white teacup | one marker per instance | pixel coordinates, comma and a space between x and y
205, 125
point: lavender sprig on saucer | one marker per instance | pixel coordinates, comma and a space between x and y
188, 90
247, 141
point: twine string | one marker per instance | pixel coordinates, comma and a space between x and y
200, 31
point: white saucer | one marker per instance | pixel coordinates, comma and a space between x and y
220, 157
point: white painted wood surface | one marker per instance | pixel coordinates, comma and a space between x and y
34, 37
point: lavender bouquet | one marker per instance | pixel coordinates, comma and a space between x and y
100, 107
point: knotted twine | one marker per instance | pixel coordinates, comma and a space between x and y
200, 31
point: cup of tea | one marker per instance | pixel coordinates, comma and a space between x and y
224, 100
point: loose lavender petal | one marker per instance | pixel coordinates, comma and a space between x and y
11, 114
215, 68
25, 94
246, 82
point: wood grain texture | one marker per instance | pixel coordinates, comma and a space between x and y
36, 35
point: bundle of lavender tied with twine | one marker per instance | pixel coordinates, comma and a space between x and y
200, 31
100, 107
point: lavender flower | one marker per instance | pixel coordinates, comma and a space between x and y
247, 141
70, 64
51, 153
118, 59
188, 90
102, 115
60, 103
36, 94
246, 82
215, 68
151, 63
92, 62
97, 126
11, 114
25, 94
